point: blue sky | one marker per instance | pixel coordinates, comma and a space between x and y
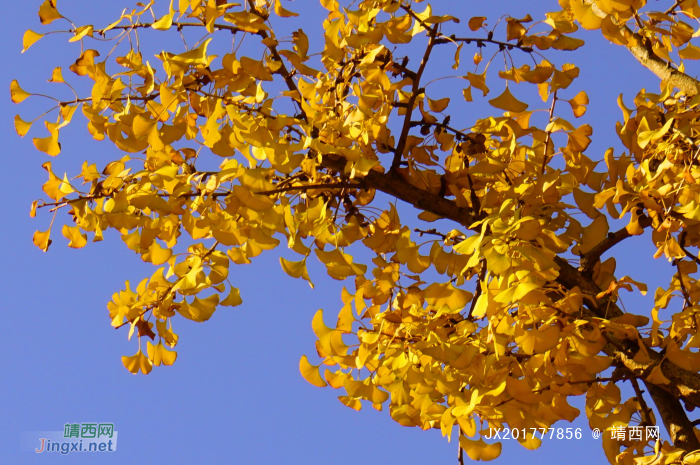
235, 394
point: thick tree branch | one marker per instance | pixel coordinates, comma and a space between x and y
683, 384
394, 184
590, 258
676, 421
660, 67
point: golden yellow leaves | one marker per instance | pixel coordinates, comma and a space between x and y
479, 450
611, 31
340, 265
438, 105
196, 56
158, 354
436, 362
689, 52
138, 362
366, 391
17, 93
478, 81
578, 104
476, 23
537, 341
296, 269
164, 23
29, 39
311, 372
76, 238
82, 32
41, 240
50, 144
48, 12
507, 102
584, 14
281, 11
21, 126
684, 358
233, 299
439, 295
256, 69
56, 188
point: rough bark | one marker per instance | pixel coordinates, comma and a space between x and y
647, 58
679, 427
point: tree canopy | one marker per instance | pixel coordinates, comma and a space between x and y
493, 315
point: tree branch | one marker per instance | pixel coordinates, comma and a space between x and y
504, 45
225, 27
291, 85
549, 132
415, 92
646, 411
676, 421
590, 258
393, 183
647, 58
684, 384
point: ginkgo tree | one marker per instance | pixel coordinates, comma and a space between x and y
311, 143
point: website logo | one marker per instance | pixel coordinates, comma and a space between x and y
75, 437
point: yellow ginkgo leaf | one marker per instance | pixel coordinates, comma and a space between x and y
280, 11
476, 22
156, 254
48, 12
584, 14
611, 31
194, 57
438, 294
137, 362
233, 299
17, 93
467, 93
438, 105
479, 450
507, 102
41, 239
29, 39
296, 269
478, 81
49, 145
319, 327
331, 5
256, 69
684, 358
354, 404
365, 390
689, 52
158, 354
164, 23
57, 76
537, 341
81, 32
21, 126
72, 233
311, 373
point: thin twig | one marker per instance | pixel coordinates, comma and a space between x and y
646, 412
549, 132
415, 92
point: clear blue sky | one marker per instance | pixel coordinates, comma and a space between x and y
232, 397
